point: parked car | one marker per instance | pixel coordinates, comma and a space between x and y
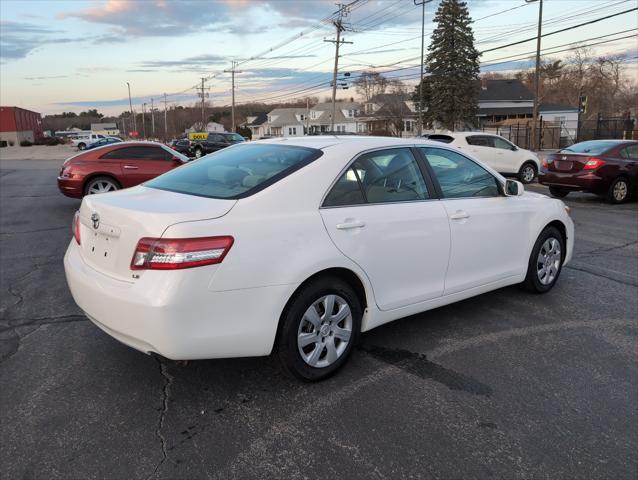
115, 166
497, 152
183, 146
303, 243
215, 141
603, 167
102, 142
83, 140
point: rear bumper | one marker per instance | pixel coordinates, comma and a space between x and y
176, 315
70, 187
587, 181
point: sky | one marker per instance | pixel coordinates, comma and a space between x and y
71, 55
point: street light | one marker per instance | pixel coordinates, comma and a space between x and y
537, 72
422, 3
130, 103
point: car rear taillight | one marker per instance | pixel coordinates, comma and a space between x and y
593, 164
76, 227
176, 253
545, 163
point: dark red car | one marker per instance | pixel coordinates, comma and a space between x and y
116, 166
603, 167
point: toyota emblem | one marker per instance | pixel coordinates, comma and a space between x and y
95, 218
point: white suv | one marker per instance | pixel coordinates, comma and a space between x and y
84, 140
499, 153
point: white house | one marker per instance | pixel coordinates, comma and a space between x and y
388, 114
257, 125
320, 120
286, 122
109, 129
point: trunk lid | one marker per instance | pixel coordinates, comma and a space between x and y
567, 162
113, 223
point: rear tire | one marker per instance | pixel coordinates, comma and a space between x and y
81, 146
101, 184
619, 190
319, 328
558, 192
527, 173
546, 261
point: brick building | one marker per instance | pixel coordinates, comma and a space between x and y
18, 124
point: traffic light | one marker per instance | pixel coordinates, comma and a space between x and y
582, 104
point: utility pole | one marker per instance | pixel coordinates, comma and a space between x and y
233, 71
338, 23
537, 73
203, 94
143, 120
152, 117
165, 121
422, 3
307, 115
130, 103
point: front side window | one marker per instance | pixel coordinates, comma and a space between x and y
630, 152
236, 172
384, 176
502, 143
460, 177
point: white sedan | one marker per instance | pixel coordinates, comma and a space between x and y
495, 151
299, 245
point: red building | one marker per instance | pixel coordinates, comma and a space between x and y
18, 124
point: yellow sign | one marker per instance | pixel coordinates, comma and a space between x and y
198, 136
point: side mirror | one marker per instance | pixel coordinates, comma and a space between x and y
514, 148
513, 188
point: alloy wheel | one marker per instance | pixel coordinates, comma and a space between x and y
528, 174
101, 186
324, 331
620, 190
548, 261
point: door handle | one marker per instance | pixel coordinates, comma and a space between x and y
347, 225
459, 215
130, 167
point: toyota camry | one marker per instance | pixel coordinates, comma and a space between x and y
298, 245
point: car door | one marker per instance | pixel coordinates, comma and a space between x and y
216, 142
141, 163
482, 147
382, 214
506, 156
489, 232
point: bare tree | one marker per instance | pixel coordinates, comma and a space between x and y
369, 84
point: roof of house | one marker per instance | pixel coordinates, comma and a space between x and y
327, 106
544, 107
260, 119
103, 126
504, 90
285, 116
324, 117
556, 107
382, 98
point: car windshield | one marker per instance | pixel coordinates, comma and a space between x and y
594, 147
234, 137
236, 172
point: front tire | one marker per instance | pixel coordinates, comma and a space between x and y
319, 328
618, 191
546, 261
527, 173
81, 146
558, 192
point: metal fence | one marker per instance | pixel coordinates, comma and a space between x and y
554, 135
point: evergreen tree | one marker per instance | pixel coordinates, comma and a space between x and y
451, 69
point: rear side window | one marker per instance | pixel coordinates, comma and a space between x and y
630, 152
138, 153
460, 177
479, 141
384, 176
236, 172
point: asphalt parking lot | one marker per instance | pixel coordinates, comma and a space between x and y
505, 385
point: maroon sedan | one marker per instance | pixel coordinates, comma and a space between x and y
603, 167
116, 166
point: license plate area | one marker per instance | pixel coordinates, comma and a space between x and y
100, 250
563, 165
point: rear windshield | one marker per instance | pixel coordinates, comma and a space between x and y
237, 171
441, 138
595, 147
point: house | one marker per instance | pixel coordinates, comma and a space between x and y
320, 120
211, 127
286, 122
18, 124
388, 114
109, 129
256, 123
503, 100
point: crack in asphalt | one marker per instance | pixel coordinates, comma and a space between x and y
43, 321
160, 425
597, 274
598, 250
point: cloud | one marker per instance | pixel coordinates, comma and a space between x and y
196, 63
18, 39
123, 102
132, 18
50, 77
